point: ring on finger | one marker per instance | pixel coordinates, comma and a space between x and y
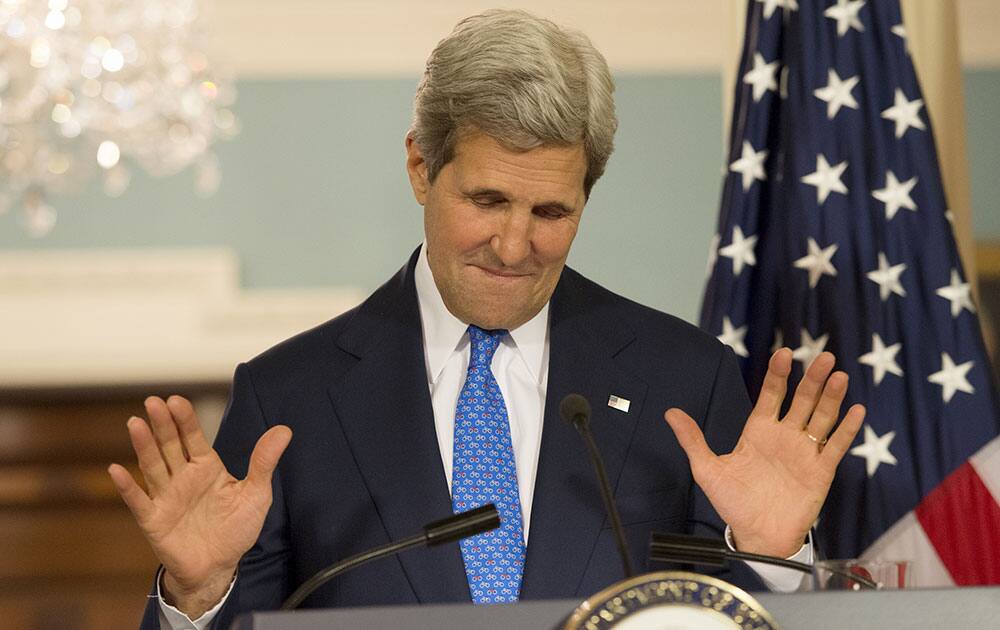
819, 442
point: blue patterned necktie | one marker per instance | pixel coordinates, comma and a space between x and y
483, 472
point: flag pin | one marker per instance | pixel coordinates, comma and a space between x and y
621, 404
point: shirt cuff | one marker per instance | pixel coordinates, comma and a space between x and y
779, 579
173, 619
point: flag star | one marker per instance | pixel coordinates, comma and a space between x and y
826, 178
948, 214
733, 337
904, 113
846, 14
762, 76
896, 194
740, 250
817, 262
958, 293
887, 278
810, 348
771, 5
951, 378
882, 358
779, 341
713, 254
750, 165
900, 31
875, 450
837, 93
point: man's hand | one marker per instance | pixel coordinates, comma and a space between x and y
198, 518
770, 489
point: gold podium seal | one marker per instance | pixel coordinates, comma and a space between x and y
671, 600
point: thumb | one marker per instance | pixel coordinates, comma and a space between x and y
690, 437
266, 454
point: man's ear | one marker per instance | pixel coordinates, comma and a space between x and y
416, 168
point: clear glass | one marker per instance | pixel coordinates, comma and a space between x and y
835, 575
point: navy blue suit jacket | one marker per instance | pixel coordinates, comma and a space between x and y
364, 466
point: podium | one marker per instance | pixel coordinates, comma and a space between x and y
966, 608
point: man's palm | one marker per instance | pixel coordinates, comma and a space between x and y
770, 489
205, 518
198, 518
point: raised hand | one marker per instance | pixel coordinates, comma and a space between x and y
198, 518
770, 489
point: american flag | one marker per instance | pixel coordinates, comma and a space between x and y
834, 235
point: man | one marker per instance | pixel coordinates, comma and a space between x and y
440, 392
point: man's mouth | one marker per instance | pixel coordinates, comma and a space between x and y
502, 273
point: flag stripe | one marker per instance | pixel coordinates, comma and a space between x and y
906, 540
987, 465
969, 546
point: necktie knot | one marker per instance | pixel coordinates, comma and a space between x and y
484, 344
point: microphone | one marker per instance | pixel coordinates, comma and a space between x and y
669, 547
575, 410
455, 527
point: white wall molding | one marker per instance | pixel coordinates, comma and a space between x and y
380, 38
392, 38
978, 25
133, 317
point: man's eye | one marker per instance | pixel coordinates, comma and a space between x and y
550, 213
486, 202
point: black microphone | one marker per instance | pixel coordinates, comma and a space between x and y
669, 547
455, 527
575, 409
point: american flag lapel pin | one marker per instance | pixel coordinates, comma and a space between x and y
621, 404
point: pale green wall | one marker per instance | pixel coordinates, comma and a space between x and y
314, 191
982, 102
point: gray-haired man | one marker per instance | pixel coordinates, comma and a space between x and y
441, 390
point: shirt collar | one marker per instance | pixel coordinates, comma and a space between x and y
445, 334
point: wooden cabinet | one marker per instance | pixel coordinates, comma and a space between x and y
71, 557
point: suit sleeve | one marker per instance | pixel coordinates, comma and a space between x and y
728, 408
263, 574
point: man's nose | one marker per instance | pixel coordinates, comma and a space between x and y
512, 242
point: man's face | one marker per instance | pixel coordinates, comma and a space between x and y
499, 224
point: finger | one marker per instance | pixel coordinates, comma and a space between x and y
136, 500
188, 426
690, 437
828, 409
841, 440
266, 454
772, 391
808, 392
165, 432
154, 469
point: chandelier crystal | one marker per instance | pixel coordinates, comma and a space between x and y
92, 88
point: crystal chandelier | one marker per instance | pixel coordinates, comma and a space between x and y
90, 88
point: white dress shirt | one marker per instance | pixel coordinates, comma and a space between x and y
521, 367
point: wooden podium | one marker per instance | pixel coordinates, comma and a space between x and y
966, 608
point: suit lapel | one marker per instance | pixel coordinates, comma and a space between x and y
391, 432
385, 409
567, 512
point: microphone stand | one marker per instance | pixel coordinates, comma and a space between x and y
470, 523
575, 409
609, 504
664, 547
